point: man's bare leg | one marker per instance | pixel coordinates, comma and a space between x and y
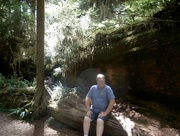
86, 125
99, 127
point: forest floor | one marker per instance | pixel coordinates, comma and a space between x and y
44, 127
48, 126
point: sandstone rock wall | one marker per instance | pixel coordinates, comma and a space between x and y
144, 62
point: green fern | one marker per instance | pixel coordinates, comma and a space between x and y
3, 108
20, 113
13, 82
2, 81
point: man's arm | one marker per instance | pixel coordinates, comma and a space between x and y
109, 108
88, 105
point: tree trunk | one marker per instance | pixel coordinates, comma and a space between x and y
38, 104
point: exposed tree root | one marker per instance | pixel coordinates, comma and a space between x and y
38, 105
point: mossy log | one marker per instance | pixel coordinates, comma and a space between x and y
17, 91
16, 97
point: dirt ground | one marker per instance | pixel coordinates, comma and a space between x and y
50, 127
44, 127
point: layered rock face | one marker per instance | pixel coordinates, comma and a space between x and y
150, 70
144, 62
142, 59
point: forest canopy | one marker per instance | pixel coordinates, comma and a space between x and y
70, 29
71, 26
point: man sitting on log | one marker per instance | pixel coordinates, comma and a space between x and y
99, 103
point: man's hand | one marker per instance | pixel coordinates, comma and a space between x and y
89, 113
102, 114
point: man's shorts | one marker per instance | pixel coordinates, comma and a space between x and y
95, 114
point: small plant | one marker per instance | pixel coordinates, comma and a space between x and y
17, 82
22, 113
10, 84
13, 82
2, 81
57, 91
34, 82
3, 108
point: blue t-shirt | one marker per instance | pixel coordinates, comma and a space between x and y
100, 97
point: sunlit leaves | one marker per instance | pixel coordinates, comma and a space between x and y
72, 25
66, 31
144, 8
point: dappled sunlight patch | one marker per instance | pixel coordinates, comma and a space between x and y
61, 92
130, 38
51, 132
126, 123
135, 123
11, 126
54, 105
57, 91
67, 98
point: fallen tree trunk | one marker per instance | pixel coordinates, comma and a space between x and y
27, 90
16, 97
70, 110
67, 106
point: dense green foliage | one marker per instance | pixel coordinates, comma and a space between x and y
9, 89
13, 82
17, 35
72, 26
3, 108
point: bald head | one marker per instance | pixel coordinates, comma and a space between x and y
100, 80
100, 76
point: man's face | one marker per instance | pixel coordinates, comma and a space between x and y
101, 82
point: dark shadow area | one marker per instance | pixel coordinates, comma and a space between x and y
59, 126
163, 109
138, 120
154, 79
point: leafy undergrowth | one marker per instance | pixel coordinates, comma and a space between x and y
13, 82
15, 113
15, 94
